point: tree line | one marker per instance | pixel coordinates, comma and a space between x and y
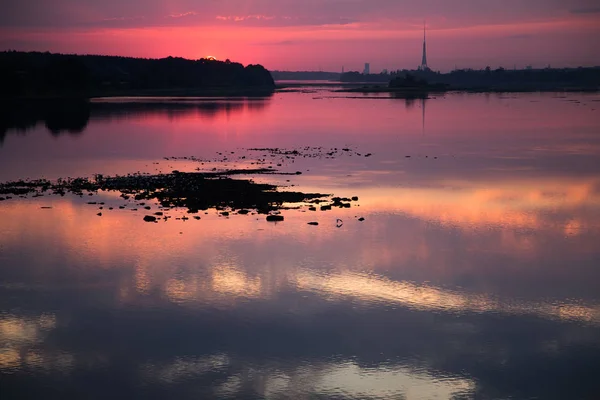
36, 73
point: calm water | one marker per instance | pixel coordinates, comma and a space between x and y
476, 273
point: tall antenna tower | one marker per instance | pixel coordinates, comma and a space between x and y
424, 59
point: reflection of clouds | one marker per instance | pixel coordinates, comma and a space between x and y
374, 289
23, 330
184, 368
225, 285
349, 379
341, 378
221, 262
513, 204
234, 283
228, 284
20, 338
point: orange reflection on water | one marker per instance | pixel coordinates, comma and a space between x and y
207, 261
515, 203
374, 289
19, 338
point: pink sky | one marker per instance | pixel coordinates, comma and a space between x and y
314, 34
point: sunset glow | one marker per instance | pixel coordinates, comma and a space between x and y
323, 34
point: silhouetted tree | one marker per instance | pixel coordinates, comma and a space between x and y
44, 73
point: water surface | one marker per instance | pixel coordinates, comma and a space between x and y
474, 274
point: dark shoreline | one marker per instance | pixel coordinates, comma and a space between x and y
191, 92
467, 90
262, 92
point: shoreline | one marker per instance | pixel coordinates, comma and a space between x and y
420, 91
175, 92
224, 93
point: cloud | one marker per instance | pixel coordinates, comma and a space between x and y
520, 36
123, 18
282, 43
185, 14
588, 10
240, 18
456, 13
283, 20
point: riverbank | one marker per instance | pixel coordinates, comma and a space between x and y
499, 89
177, 92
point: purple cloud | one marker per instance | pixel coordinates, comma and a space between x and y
81, 13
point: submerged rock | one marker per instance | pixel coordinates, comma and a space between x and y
274, 218
149, 218
313, 223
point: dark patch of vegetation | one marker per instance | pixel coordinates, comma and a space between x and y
488, 79
37, 74
547, 79
410, 81
357, 77
194, 191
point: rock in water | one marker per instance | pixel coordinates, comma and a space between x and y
313, 223
361, 219
274, 218
149, 218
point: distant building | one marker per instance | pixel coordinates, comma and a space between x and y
424, 66
367, 70
385, 71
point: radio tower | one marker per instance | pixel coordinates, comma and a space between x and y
424, 66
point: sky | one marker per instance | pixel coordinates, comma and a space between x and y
314, 34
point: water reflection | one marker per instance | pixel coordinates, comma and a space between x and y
474, 275
398, 307
73, 116
58, 116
